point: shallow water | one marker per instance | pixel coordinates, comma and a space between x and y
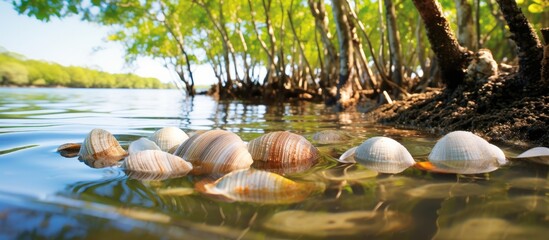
43, 194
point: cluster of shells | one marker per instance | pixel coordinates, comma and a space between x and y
235, 164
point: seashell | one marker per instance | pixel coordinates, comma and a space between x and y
215, 151
537, 155
446, 190
250, 185
69, 150
155, 165
465, 153
169, 138
283, 149
142, 144
101, 149
332, 225
381, 154
330, 137
348, 156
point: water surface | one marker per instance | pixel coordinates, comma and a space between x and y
44, 195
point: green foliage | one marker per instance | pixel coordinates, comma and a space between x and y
13, 73
194, 32
15, 70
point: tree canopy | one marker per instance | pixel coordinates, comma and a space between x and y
287, 48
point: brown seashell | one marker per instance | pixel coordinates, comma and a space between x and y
283, 149
257, 186
101, 149
215, 151
155, 165
69, 150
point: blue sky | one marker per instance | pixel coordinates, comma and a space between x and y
72, 42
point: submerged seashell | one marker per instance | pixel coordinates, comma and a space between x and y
537, 155
101, 149
330, 137
284, 149
258, 186
142, 144
169, 137
381, 154
489, 228
446, 190
215, 151
155, 164
465, 153
331, 225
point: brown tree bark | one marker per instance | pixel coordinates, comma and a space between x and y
344, 96
330, 65
394, 47
529, 48
545, 61
452, 58
465, 32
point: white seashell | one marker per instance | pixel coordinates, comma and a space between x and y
283, 148
499, 154
384, 155
348, 156
142, 144
155, 164
101, 149
215, 151
169, 137
464, 153
538, 155
258, 186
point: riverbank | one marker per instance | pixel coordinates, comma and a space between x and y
495, 110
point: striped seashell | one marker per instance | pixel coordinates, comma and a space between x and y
284, 149
142, 144
169, 137
155, 165
257, 186
101, 149
215, 151
463, 152
381, 154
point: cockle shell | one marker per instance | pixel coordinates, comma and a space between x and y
283, 149
155, 164
142, 144
465, 153
169, 137
215, 151
101, 149
258, 186
381, 154
537, 155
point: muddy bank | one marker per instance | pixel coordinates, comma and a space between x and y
497, 110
